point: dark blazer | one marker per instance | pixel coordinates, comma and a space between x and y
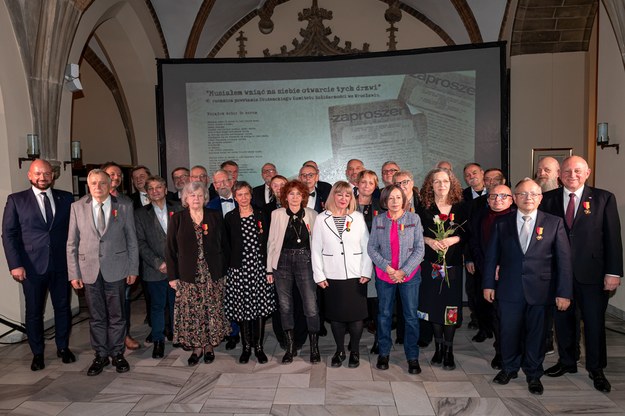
136, 200
477, 243
595, 236
182, 250
467, 194
152, 240
324, 187
537, 276
212, 192
235, 236
258, 196
28, 241
322, 194
215, 204
172, 196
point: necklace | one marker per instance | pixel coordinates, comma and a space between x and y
297, 232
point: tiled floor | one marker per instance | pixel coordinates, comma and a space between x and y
169, 386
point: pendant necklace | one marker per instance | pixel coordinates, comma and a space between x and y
299, 240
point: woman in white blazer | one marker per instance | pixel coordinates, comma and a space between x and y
288, 263
343, 268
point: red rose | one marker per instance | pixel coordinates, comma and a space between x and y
443, 217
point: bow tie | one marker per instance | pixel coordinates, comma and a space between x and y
312, 194
227, 200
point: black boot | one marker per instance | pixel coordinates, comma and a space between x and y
246, 338
315, 356
258, 326
290, 347
437, 358
448, 358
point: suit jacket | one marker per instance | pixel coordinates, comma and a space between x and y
152, 240
235, 236
537, 276
340, 256
322, 194
595, 236
182, 249
28, 240
467, 194
136, 200
215, 204
115, 254
258, 196
279, 222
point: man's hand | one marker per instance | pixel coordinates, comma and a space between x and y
470, 267
131, 279
489, 295
562, 303
173, 284
77, 284
609, 282
270, 279
18, 274
163, 268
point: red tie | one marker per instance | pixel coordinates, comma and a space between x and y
570, 211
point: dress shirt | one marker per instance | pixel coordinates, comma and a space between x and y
95, 208
226, 206
39, 199
578, 199
161, 215
145, 199
519, 224
312, 199
475, 194
267, 194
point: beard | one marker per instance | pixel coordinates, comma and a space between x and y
548, 184
41, 186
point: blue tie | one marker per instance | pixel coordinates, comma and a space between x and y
227, 200
48, 208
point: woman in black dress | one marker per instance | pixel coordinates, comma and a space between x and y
249, 295
440, 297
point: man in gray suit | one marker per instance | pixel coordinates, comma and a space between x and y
102, 256
151, 221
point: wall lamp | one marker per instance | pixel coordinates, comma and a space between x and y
603, 139
32, 149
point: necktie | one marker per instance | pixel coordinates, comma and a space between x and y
524, 235
355, 192
570, 211
48, 209
227, 200
313, 193
101, 219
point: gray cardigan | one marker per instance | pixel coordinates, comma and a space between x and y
411, 248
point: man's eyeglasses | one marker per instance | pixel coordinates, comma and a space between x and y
526, 195
307, 175
183, 176
503, 197
389, 171
269, 170
405, 182
202, 176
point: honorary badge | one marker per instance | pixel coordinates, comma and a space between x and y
586, 205
205, 228
539, 233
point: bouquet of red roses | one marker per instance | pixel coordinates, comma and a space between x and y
440, 267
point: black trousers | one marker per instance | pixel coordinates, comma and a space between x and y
107, 326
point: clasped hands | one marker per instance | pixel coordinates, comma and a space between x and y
396, 275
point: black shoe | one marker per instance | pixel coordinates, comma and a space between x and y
159, 349
535, 386
169, 334
375, 348
599, 381
448, 358
66, 355
559, 370
437, 358
246, 353
315, 355
98, 365
149, 339
194, 359
209, 357
120, 363
496, 363
504, 378
382, 363
261, 357
37, 363
354, 360
473, 324
337, 359
414, 367
423, 344
323, 331
481, 336
231, 342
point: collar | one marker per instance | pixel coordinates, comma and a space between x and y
38, 191
578, 193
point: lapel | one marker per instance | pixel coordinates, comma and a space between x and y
540, 220
329, 222
511, 220
112, 216
89, 208
35, 203
154, 219
586, 197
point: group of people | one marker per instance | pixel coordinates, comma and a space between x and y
218, 258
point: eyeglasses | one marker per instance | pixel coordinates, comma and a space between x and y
389, 171
269, 170
503, 197
202, 176
405, 182
526, 195
183, 176
307, 175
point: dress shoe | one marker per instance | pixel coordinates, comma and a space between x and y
98, 365
599, 381
131, 343
375, 348
315, 355
437, 358
496, 363
354, 360
337, 359
473, 324
535, 386
149, 339
246, 353
231, 342
448, 358
209, 357
481, 336
120, 363
382, 363
159, 349
504, 378
66, 355
37, 363
261, 357
414, 367
194, 359
559, 370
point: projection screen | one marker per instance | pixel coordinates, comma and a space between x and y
414, 107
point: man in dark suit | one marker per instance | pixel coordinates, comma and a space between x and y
34, 232
262, 195
474, 178
138, 175
151, 224
594, 230
181, 176
317, 196
527, 265
102, 257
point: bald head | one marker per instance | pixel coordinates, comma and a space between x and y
40, 174
547, 173
575, 171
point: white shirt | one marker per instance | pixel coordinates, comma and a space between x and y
39, 198
95, 208
312, 200
475, 194
578, 199
226, 207
519, 224
145, 199
267, 194
161, 215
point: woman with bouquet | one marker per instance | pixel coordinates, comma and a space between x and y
443, 214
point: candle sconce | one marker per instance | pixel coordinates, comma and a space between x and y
32, 149
76, 153
603, 139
